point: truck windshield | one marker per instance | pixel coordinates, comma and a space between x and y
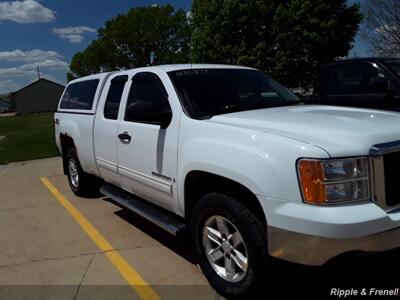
208, 92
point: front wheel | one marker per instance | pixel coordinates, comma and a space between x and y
231, 245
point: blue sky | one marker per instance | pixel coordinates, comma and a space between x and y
49, 32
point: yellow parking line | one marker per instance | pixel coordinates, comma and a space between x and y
278, 253
134, 279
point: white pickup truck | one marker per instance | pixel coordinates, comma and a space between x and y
229, 154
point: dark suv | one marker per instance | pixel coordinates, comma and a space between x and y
372, 82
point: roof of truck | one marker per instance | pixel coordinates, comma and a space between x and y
358, 59
166, 68
376, 58
177, 67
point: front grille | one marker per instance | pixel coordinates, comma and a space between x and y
391, 165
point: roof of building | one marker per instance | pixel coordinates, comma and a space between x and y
39, 80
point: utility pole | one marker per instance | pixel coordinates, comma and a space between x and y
38, 72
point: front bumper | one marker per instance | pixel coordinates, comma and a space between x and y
312, 235
313, 250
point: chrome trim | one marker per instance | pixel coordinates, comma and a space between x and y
378, 182
157, 216
384, 148
371, 173
161, 176
314, 250
347, 180
150, 181
108, 165
378, 192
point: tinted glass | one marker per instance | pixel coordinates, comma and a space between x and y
323, 80
66, 96
148, 89
207, 92
394, 65
82, 94
353, 78
113, 100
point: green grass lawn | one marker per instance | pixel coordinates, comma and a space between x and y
27, 137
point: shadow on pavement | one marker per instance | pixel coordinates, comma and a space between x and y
354, 269
181, 244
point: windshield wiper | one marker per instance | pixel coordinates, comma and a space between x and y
243, 107
249, 106
289, 103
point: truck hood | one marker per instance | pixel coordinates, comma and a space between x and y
340, 131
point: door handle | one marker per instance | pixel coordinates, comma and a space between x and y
124, 137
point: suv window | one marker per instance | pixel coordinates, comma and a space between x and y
66, 96
80, 95
394, 65
147, 89
353, 78
113, 100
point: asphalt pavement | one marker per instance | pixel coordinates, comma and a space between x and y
54, 245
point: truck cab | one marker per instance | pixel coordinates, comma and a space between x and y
235, 159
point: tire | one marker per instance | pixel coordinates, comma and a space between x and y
81, 183
213, 209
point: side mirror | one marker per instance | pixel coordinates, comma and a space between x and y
378, 84
148, 112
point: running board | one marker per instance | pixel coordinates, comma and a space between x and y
157, 216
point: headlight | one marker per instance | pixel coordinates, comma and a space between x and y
334, 180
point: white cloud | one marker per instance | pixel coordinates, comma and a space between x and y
49, 63
31, 59
8, 85
28, 56
73, 34
26, 11
25, 68
21, 78
29, 69
13, 72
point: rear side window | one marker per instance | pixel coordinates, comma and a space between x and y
80, 95
65, 98
113, 100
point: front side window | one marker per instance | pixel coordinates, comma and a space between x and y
353, 78
208, 92
114, 95
147, 95
80, 95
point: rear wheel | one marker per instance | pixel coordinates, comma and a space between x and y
81, 183
231, 245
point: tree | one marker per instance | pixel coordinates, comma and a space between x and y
286, 38
141, 37
381, 28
